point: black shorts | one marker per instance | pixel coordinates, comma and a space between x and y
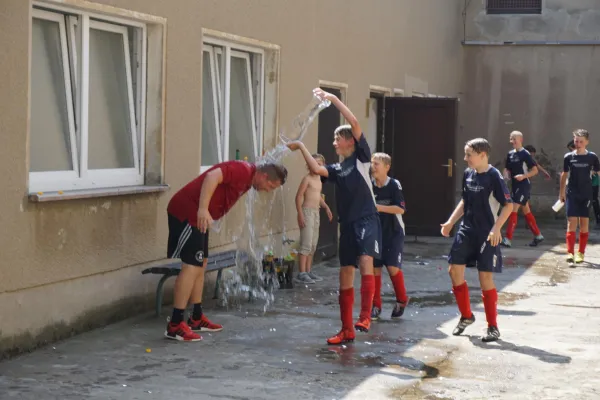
521, 192
577, 207
472, 249
187, 243
360, 238
393, 247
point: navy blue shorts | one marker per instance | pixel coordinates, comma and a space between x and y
472, 249
577, 207
521, 192
393, 247
360, 238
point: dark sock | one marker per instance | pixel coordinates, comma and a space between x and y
197, 313
177, 316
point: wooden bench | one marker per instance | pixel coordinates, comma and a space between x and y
216, 262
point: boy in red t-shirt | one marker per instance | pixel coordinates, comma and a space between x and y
191, 211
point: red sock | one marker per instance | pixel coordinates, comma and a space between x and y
346, 304
583, 238
463, 300
532, 224
512, 224
399, 288
490, 303
367, 290
377, 296
570, 242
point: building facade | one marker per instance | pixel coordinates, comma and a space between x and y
108, 107
532, 66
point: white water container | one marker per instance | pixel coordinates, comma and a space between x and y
558, 205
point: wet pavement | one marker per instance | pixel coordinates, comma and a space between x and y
549, 317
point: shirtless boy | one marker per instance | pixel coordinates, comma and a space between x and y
308, 201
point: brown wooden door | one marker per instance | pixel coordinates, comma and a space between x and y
329, 119
420, 136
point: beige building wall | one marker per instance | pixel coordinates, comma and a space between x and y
533, 73
73, 264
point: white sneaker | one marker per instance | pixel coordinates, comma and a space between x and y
314, 277
303, 277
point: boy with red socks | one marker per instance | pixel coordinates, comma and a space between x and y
578, 166
476, 242
391, 206
360, 229
520, 166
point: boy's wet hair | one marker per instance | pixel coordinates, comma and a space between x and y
530, 149
274, 172
344, 131
318, 157
480, 145
383, 157
581, 133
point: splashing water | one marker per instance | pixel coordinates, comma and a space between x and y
248, 278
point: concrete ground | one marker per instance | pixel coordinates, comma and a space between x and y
549, 316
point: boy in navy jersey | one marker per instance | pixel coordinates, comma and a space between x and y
520, 166
578, 167
360, 229
476, 242
533, 152
391, 206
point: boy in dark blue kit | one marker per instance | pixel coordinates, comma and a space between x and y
578, 167
360, 229
483, 193
520, 166
391, 207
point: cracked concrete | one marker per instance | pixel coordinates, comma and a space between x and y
548, 317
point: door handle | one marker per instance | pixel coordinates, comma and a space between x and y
449, 166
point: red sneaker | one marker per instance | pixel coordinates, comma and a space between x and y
181, 332
204, 325
344, 336
363, 325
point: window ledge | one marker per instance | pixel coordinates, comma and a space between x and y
93, 193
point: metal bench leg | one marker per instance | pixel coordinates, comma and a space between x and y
159, 293
216, 295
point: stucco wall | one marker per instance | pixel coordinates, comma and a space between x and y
545, 91
83, 255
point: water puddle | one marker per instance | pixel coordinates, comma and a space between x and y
508, 299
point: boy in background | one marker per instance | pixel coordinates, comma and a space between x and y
391, 207
308, 201
520, 166
578, 167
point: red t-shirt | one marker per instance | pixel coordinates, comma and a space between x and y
237, 180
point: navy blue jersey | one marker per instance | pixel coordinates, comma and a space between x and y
519, 162
354, 191
483, 194
390, 194
580, 167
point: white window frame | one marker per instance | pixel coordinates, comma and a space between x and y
216, 93
227, 50
56, 177
81, 177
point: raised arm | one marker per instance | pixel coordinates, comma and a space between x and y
348, 115
312, 164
